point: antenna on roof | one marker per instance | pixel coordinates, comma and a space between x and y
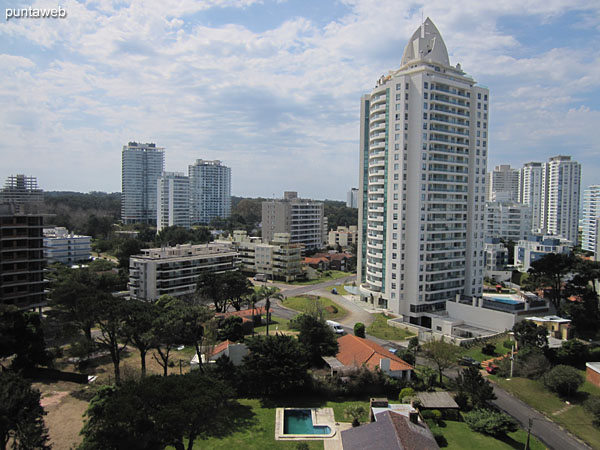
422, 25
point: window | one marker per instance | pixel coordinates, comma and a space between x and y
478, 105
479, 96
406, 96
406, 86
398, 97
398, 86
425, 95
424, 105
425, 84
485, 97
424, 136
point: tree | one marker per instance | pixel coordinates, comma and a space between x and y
231, 329
195, 325
564, 380
21, 415
167, 329
572, 352
528, 334
592, 404
139, 324
237, 286
125, 249
359, 330
355, 412
316, 337
490, 422
211, 287
478, 389
413, 346
21, 334
252, 300
550, 271
275, 365
443, 354
267, 293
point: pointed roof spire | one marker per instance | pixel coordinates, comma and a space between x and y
426, 44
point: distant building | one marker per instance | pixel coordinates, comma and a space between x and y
210, 191
531, 192
510, 221
502, 184
64, 247
496, 255
343, 236
535, 247
303, 219
141, 166
352, 198
591, 214
21, 189
173, 201
175, 270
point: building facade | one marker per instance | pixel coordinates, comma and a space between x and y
210, 191
303, 219
175, 270
531, 190
503, 184
510, 221
535, 247
343, 236
423, 161
172, 201
64, 247
352, 198
141, 166
591, 214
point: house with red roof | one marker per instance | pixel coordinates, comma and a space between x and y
234, 351
355, 352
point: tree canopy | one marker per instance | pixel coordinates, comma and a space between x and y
442, 353
317, 338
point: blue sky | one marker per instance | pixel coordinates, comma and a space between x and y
272, 88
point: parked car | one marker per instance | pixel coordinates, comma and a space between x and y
492, 368
336, 327
468, 361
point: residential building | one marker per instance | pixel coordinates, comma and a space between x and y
173, 201
175, 270
423, 154
352, 198
210, 191
303, 219
535, 247
235, 352
502, 184
22, 262
343, 236
496, 256
560, 215
531, 190
590, 216
510, 221
141, 166
64, 247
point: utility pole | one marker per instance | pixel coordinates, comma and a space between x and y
530, 421
512, 360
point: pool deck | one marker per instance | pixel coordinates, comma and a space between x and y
320, 416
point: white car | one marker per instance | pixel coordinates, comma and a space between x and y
336, 327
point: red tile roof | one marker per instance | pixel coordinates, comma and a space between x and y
243, 313
220, 347
355, 351
315, 260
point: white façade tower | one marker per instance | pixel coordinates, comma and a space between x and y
423, 152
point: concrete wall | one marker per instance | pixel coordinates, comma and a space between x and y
481, 317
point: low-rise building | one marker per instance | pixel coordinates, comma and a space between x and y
343, 236
64, 247
495, 255
175, 270
510, 221
535, 247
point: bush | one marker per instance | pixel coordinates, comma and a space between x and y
531, 363
359, 329
440, 439
462, 400
490, 422
564, 380
592, 404
489, 349
432, 414
406, 394
508, 344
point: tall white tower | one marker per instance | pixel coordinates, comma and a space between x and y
531, 190
502, 184
423, 152
173, 201
591, 214
210, 190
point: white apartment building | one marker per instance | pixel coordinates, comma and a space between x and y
496, 255
210, 191
64, 247
531, 191
303, 219
591, 214
510, 221
343, 236
173, 201
560, 216
175, 270
535, 247
423, 153
352, 198
141, 166
502, 184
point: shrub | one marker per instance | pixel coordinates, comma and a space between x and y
359, 329
406, 394
439, 438
508, 344
302, 446
433, 415
489, 349
490, 422
592, 404
461, 399
564, 380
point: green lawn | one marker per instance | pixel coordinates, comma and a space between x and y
307, 303
476, 353
276, 323
333, 275
461, 437
574, 418
380, 329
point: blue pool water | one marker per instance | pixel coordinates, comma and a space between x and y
299, 421
503, 300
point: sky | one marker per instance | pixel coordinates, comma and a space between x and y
272, 88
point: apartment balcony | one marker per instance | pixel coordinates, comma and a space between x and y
377, 126
446, 110
447, 130
451, 140
445, 119
449, 100
377, 145
450, 90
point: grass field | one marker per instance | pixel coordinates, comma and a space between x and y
573, 417
476, 353
278, 323
380, 329
308, 303
333, 275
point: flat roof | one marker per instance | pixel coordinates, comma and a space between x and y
595, 366
436, 400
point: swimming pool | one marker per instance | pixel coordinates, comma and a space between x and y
299, 421
503, 300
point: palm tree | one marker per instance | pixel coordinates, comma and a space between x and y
269, 293
252, 299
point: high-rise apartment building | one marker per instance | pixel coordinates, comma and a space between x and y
591, 214
142, 165
303, 219
531, 191
173, 201
560, 197
352, 198
423, 152
210, 191
502, 184
510, 221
